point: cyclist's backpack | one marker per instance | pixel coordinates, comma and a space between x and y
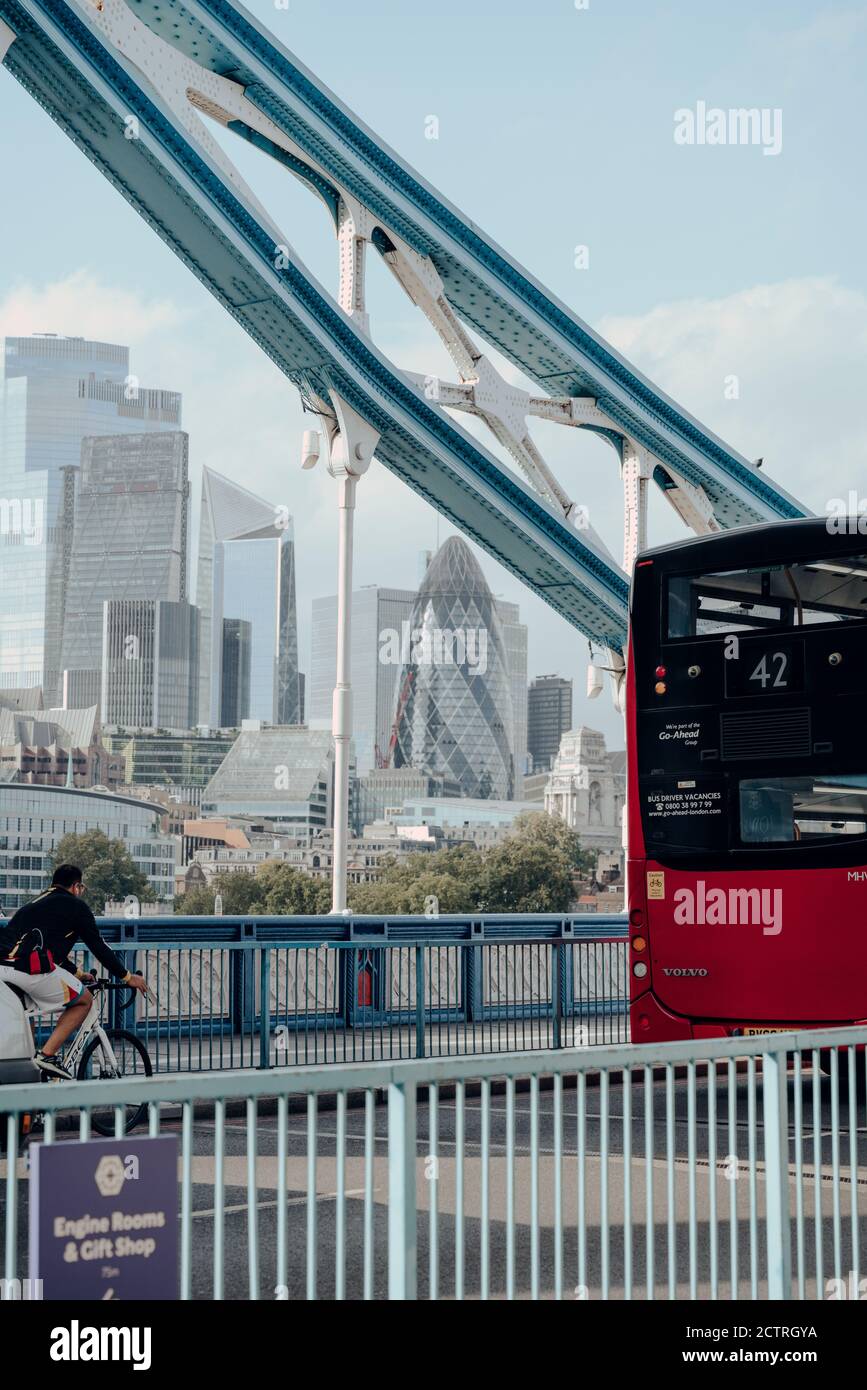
30, 955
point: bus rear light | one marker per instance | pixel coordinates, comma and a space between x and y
639, 943
660, 687
639, 969
635, 917
660, 673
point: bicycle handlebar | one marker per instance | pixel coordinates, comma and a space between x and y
106, 985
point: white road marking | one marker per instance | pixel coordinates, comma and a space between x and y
290, 1202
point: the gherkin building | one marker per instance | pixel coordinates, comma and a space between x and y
453, 697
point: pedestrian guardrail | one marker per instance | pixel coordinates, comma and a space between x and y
731, 1169
271, 991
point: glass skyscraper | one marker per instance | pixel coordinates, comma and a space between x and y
237, 642
246, 570
454, 701
550, 717
54, 392
379, 622
129, 542
515, 641
150, 664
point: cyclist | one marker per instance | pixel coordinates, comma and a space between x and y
53, 923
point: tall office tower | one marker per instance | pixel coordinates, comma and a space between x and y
454, 705
235, 692
380, 631
54, 392
150, 653
246, 570
515, 641
129, 541
549, 717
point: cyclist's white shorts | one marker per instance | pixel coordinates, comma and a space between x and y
48, 992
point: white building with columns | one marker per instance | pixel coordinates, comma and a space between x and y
587, 789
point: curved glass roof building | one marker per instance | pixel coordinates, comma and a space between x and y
453, 698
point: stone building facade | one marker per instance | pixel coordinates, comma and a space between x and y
587, 789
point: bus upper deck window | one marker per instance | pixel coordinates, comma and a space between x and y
768, 598
680, 607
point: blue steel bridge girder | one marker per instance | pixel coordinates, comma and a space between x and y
92, 90
93, 70
702, 503
490, 291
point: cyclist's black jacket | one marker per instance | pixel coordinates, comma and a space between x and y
63, 920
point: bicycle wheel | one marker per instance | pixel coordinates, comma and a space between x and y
132, 1060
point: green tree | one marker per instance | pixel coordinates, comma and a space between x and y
239, 893
525, 875
289, 892
449, 876
531, 870
109, 872
540, 827
196, 902
276, 890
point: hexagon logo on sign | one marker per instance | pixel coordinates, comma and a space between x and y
109, 1175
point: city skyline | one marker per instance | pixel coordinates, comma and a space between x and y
113, 545
55, 392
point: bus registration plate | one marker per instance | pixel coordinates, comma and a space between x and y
780, 1028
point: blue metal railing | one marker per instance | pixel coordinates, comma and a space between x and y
264, 991
732, 1168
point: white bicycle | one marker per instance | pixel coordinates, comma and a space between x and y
98, 1053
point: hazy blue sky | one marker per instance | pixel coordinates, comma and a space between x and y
556, 129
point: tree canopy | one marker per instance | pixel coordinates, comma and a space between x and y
531, 870
276, 890
109, 872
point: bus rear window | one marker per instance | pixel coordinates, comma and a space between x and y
784, 810
767, 599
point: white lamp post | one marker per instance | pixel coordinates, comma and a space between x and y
351, 445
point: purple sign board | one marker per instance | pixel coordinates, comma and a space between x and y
104, 1219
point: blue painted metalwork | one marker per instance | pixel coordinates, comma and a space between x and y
90, 90
395, 929
534, 330
266, 991
293, 319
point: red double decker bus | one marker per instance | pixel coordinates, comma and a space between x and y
747, 782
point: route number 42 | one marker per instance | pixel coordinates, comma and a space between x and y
765, 672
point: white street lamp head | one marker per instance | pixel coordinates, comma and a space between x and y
310, 448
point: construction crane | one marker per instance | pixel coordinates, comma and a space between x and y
384, 760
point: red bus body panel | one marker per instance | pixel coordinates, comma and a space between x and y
797, 964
